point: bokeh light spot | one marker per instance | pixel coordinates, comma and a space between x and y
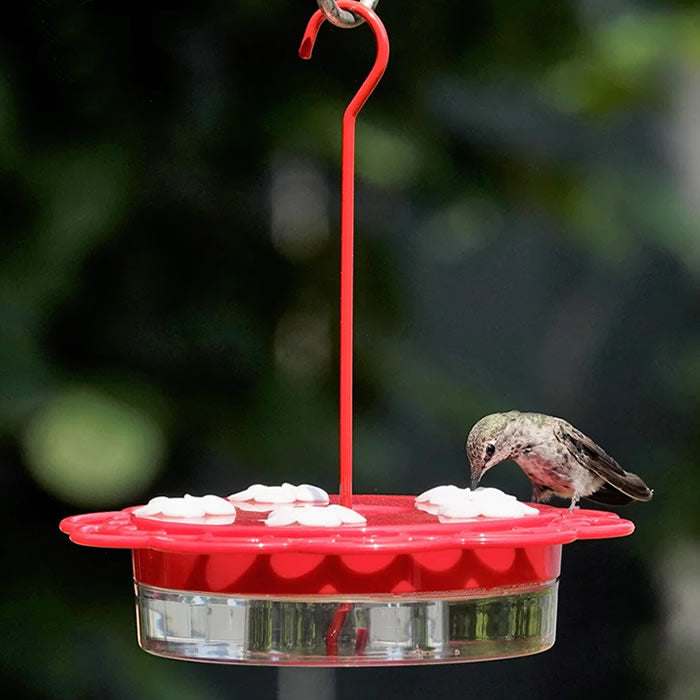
299, 210
90, 449
302, 345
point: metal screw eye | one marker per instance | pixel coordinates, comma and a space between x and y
343, 18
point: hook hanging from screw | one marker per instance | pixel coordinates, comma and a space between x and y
347, 216
342, 18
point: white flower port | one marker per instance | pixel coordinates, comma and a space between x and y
314, 516
451, 503
305, 505
287, 493
189, 508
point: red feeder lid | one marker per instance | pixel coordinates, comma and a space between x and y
400, 550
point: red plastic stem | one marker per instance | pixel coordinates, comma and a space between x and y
361, 639
335, 628
347, 216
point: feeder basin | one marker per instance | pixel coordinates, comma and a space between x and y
403, 589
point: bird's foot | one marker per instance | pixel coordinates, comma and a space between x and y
540, 494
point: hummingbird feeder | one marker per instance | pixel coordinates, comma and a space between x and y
382, 582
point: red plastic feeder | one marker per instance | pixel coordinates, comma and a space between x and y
404, 588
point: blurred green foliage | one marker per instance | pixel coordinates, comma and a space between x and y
527, 237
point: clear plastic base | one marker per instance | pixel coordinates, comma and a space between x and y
346, 632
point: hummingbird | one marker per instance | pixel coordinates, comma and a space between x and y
558, 459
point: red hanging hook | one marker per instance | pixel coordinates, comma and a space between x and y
347, 216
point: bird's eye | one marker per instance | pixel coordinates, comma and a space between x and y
490, 449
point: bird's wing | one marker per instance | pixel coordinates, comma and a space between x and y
590, 455
609, 496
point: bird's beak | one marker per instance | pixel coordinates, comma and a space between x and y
475, 481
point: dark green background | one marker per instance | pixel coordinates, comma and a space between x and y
528, 182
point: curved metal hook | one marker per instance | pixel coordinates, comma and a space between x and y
347, 217
380, 63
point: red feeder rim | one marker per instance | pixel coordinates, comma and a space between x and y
394, 525
401, 549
